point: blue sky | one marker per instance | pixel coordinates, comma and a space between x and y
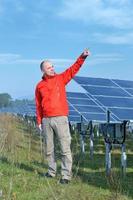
31, 31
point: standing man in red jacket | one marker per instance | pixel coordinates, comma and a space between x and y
52, 114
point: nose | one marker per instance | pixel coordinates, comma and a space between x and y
52, 67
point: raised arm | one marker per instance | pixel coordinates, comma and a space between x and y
69, 73
39, 113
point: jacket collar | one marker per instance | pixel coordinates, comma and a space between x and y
45, 76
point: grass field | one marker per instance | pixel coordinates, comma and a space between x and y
22, 168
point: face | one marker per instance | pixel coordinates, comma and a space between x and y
48, 68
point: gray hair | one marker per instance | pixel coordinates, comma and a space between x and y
42, 63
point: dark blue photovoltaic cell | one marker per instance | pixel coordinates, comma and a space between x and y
20, 109
116, 102
96, 117
106, 91
74, 118
31, 104
123, 114
92, 116
71, 107
89, 109
130, 91
94, 81
74, 113
81, 101
33, 110
76, 94
124, 84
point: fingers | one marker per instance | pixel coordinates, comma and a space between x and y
87, 52
40, 127
86, 49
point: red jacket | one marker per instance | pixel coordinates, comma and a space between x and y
50, 93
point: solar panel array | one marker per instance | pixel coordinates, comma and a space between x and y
101, 95
112, 94
23, 109
82, 104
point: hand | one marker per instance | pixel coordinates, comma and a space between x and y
40, 127
86, 52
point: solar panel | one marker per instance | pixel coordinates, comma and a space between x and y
77, 94
94, 81
106, 91
90, 109
116, 101
74, 113
84, 105
130, 91
96, 116
79, 101
123, 114
71, 107
101, 94
124, 83
115, 95
23, 108
74, 118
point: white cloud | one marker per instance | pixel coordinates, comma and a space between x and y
9, 58
96, 59
113, 13
125, 38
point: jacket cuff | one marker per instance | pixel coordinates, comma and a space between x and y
39, 121
83, 56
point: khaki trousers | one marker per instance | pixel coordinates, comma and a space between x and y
58, 126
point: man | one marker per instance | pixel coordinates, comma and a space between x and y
52, 114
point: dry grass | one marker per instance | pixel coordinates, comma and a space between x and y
10, 137
22, 166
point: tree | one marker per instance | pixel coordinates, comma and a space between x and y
5, 100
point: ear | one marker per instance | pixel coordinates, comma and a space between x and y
43, 69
